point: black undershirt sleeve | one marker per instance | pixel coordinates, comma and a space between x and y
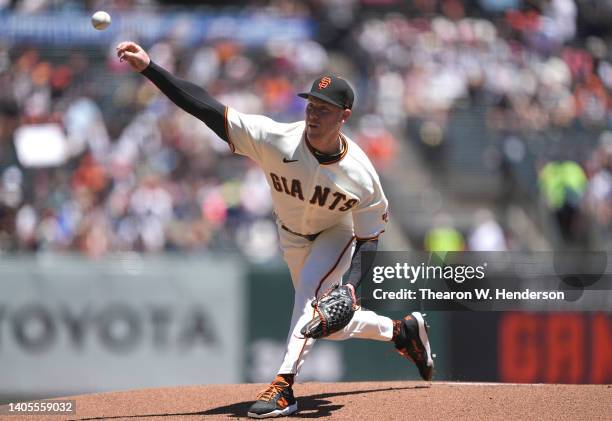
190, 97
353, 275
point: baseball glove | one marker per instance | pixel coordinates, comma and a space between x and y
333, 311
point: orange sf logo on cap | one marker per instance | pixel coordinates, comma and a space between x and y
324, 82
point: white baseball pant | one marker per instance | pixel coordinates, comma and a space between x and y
315, 266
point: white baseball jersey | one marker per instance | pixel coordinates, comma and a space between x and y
308, 196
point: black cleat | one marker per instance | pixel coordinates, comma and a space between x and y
412, 342
276, 400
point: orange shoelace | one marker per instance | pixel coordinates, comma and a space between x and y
397, 327
405, 354
271, 391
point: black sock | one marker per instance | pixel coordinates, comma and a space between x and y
289, 378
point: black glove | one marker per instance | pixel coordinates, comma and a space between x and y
333, 311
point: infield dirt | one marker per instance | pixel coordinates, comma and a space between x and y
371, 400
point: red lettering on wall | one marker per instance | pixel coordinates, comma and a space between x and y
518, 346
601, 351
555, 348
564, 348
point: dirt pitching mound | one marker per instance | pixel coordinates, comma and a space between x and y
368, 400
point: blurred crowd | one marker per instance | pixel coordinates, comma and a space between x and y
147, 176
137, 174
530, 72
521, 64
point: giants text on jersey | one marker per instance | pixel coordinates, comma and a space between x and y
309, 196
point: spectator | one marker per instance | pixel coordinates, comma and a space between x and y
487, 234
443, 236
563, 184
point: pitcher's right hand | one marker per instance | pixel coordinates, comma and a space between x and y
134, 54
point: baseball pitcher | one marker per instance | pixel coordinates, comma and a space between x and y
329, 207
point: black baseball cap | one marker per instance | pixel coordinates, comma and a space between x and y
332, 89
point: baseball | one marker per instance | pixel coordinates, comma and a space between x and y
100, 20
